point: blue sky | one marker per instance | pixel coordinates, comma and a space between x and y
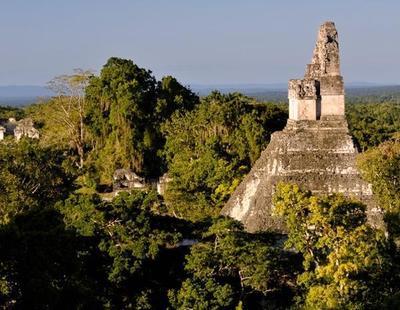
201, 42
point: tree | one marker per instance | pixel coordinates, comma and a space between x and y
121, 101
30, 176
43, 265
209, 150
373, 123
347, 263
230, 267
128, 241
6, 112
71, 107
126, 108
380, 167
172, 97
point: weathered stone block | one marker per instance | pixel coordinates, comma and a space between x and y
331, 85
303, 109
332, 105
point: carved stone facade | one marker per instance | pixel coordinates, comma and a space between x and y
321, 93
314, 150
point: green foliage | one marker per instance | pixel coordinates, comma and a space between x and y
7, 112
380, 166
374, 94
203, 294
120, 102
348, 264
40, 264
210, 149
89, 253
61, 119
171, 98
30, 176
373, 123
126, 107
49, 120
129, 239
80, 251
356, 274
228, 267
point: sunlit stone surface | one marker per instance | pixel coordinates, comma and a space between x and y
314, 150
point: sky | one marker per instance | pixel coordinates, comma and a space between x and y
198, 42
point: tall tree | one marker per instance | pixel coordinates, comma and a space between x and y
126, 108
127, 243
30, 176
172, 97
381, 167
71, 107
347, 263
209, 150
373, 123
230, 268
43, 264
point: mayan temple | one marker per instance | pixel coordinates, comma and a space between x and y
314, 150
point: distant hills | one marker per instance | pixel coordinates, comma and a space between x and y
355, 92
253, 88
21, 95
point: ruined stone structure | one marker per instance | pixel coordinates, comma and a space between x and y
9, 126
21, 128
162, 183
2, 132
25, 128
126, 179
314, 150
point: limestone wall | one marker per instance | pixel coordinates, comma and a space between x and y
332, 105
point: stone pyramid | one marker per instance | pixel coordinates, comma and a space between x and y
314, 150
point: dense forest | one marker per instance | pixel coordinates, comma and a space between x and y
354, 94
67, 242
